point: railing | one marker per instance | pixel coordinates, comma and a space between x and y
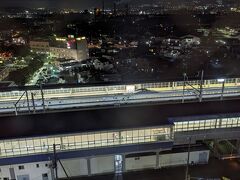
108, 89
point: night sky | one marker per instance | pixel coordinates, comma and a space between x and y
78, 4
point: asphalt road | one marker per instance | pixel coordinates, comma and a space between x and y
215, 169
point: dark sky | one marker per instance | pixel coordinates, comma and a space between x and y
78, 4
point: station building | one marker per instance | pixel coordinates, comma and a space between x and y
112, 139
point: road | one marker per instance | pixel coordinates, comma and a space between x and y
143, 96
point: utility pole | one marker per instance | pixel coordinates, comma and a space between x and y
33, 103
16, 112
201, 87
223, 87
43, 102
28, 102
188, 157
184, 84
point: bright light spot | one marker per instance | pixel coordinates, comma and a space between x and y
130, 88
81, 38
220, 80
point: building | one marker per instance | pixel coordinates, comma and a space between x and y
112, 140
39, 46
63, 53
68, 48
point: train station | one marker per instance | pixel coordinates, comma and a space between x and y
122, 139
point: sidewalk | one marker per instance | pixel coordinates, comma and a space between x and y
215, 169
